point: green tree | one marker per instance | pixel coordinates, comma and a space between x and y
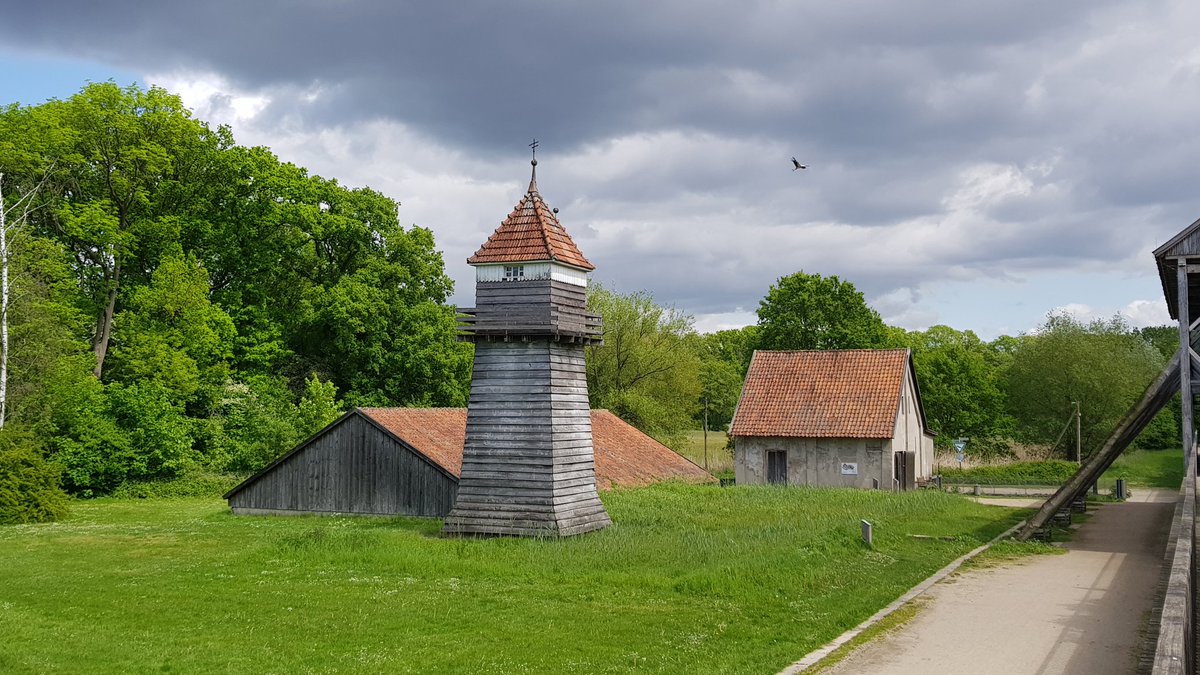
179, 289
961, 387
124, 165
1103, 365
30, 487
1164, 338
1164, 430
318, 406
724, 360
171, 333
809, 311
647, 371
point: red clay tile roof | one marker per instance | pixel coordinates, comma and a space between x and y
531, 233
437, 433
822, 394
625, 457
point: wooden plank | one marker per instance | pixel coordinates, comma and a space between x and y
1174, 650
1185, 365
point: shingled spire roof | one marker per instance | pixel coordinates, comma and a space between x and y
531, 233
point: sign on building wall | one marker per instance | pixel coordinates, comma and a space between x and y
849, 468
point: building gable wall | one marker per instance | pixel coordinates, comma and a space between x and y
816, 461
351, 467
909, 433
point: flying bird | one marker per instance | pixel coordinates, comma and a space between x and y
797, 165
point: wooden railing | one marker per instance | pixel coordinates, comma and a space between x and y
1175, 651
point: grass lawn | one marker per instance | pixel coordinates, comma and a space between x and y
1145, 468
719, 459
689, 579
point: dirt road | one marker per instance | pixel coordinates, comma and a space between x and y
1073, 613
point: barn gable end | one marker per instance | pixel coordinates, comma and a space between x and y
351, 466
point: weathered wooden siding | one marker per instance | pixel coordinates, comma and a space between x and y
528, 464
532, 308
909, 434
352, 467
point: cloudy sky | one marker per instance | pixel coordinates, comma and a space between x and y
976, 164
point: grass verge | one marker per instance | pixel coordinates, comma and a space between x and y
1144, 468
689, 579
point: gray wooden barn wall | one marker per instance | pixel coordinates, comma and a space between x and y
536, 307
353, 467
528, 463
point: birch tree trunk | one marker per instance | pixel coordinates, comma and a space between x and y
3, 306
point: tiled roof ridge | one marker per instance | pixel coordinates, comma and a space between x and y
833, 351
539, 206
513, 241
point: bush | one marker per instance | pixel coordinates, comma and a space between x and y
30, 487
191, 484
1051, 472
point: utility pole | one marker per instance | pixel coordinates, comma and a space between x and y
706, 433
1078, 434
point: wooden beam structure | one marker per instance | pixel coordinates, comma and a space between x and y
1186, 353
1157, 396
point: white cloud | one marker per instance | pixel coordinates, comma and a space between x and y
711, 323
1139, 313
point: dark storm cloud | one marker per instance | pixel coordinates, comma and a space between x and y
948, 140
485, 73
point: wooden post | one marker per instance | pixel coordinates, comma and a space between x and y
1185, 353
1079, 435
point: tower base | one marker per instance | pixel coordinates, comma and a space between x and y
528, 463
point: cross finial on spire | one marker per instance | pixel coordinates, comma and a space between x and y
533, 178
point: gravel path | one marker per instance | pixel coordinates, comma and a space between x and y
1073, 613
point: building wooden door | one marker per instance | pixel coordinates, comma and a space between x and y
900, 464
777, 467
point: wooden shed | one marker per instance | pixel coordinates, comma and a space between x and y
849, 418
407, 461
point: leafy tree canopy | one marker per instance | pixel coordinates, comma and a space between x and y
1104, 365
809, 311
647, 371
960, 387
179, 293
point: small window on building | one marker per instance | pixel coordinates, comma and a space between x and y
514, 272
874, 446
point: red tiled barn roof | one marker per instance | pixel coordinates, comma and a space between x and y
822, 394
625, 457
437, 433
531, 233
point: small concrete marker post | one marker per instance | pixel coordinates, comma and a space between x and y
868, 535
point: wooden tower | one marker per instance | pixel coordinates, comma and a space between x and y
528, 464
